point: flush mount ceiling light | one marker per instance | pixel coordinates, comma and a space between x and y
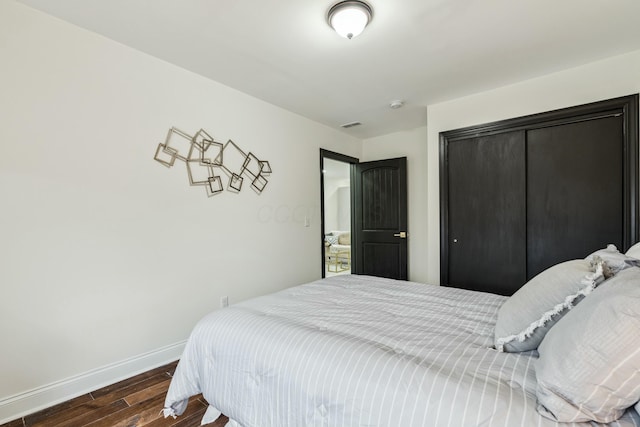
349, 18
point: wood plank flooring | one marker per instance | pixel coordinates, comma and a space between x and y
134, 402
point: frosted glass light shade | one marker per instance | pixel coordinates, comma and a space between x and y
348, 18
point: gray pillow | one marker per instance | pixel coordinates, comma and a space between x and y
638, 407
589, 364
615, 260
525, 318
331, 239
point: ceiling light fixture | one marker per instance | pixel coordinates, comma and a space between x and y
349, 18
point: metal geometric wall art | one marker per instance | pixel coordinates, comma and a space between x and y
203, 156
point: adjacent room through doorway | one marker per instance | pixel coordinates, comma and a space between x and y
336, 208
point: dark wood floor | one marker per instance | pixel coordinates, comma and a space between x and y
134, 402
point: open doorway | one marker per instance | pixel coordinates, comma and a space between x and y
337, 207
373, 240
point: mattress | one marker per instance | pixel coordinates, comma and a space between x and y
360, 351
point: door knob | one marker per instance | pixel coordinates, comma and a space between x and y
402, 235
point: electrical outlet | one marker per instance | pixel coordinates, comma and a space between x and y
224, 301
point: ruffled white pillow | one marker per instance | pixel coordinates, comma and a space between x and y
525, 318
634, 252
616, 261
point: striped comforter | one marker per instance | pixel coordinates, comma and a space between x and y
359, 351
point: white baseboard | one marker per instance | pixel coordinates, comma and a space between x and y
19, 405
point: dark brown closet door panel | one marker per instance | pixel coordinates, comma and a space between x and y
486, 213
574, 190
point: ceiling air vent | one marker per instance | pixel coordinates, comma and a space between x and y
350, 125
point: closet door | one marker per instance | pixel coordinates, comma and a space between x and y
523, 194
574, 190
486, 242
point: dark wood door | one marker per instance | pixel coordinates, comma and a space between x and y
486, 243
574, 190
380, 192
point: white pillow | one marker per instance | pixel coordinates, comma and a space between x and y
589, 364
525, 318
615, 260
634, 252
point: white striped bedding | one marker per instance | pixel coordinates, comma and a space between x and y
360, 351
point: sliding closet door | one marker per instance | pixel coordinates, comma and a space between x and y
574, 190
561, 184
486, 239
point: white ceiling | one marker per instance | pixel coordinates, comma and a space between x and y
420, 51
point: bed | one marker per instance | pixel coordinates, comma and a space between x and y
361, 351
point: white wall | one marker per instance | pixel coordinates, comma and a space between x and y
337, 204
330, 205
344, 207
337, 208
617, 76
413, 145
108, 258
